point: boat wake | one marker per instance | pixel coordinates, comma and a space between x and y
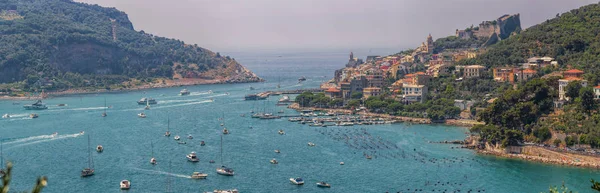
200, 93
184, 104
163, 173
81, 109
176, 101
40, 139
29, 139
218, 95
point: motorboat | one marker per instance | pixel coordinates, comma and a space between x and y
297, 181
285, 98
225, 191
99, 148
277, 151
281, 132
280, 111
190, 137
153, 161
6, 116
146, 101
211, 161
33, 116
177, 138
125, 185
167, 134
142, 115
252, 97
202, 143
311, 144
192, 157
38, 105
274, 161
341, 163
198, 175
104, 114
368, 157
225, 171
225, 131
61, 105
184, 92
301, 79
147, 107
54, 134
323, 185
182, 142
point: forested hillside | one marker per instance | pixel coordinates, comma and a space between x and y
57, 44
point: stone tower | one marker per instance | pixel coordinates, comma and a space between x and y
429, 43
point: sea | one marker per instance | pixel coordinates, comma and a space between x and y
403, 157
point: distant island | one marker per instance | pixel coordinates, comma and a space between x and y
63, 46
531, 94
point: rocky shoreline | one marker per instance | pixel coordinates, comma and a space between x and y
541, 155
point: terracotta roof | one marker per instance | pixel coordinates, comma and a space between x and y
332, 89
571, 78
573, 71
597, 86
409, 75
420, 73
529, 71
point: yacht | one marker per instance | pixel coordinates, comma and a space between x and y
184, 92
168, 133
176, 137
99, 148
341, 163
311, 144
285, 98
225, 171
147, 107
281, 111
251, 97
190, 136
192, 157
281, 132
368, 157
142, 115
153, 161
6, 116
224, 191
277, 151
225, 131
125, 185
198, 175
274, 161
323, 185
202, 143
89, 171
297, 181
211, 161
301, 79
33, 116
103, 113
38, 105
146, 101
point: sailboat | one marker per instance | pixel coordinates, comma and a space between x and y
152, 160
147, 106
89, 171
223, 170
168, 133
2, 172
104, 113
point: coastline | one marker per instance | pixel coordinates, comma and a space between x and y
545, 156
167, 84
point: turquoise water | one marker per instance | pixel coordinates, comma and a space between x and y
409, 162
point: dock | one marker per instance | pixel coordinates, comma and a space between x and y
297, 91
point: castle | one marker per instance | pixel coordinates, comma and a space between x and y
503, 27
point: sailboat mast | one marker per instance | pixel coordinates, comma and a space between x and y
1, 155
152, 149
104, 105
89, 153
168, 123
221, 149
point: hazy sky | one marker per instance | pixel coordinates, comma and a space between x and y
237, 25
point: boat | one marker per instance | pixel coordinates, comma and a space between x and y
274, 161
184, 92
190, 136
341, 163
211, 161
323, 185
54, 134
142, 115
125, 185
192, 157
146, 101
311, 144
61, 105
269, 116
202, 143
301, 79
36, 106
168, 133
198, 175
277, 151
104, 113
225, 191
89, 171
280, 111
368, 157
251, 97
176, 137
281, 132
285, 98
251, 88
223, 170
6, 116
33, 116
182, 142
297, 181
225, 131
152, 159
99, 148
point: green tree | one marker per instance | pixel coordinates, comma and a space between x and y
587, 102
356, 95
572, 89
556, 142
353, 104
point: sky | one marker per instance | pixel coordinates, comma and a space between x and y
238, 25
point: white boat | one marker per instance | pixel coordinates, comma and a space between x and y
33, 116
190, 137
274, 161
176, 137
285, 98
297, 181
125, 185
54, 134
89, 171
147, 105
6, 116
341, 163
311, 144
99, 148
192, 157
184, 92
224, 191
168, 133
277, 151
152, 160
142, 115
281, 132
198, 175
225, 131
323, 185
223, 170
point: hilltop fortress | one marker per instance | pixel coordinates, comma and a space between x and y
501, 28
